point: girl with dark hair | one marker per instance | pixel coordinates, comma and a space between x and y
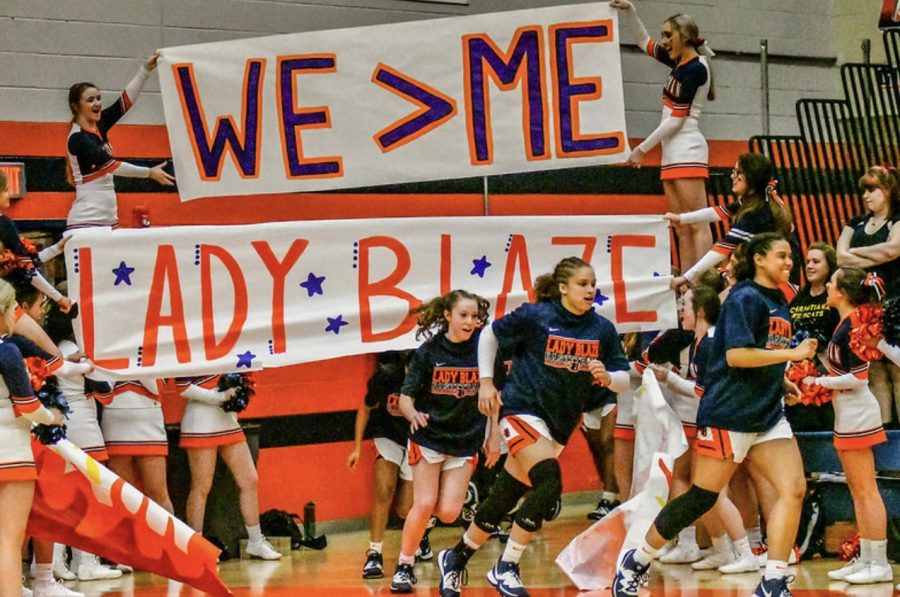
871, 241
562, 353
91, 164
857, 426
685, 154
758, 209
439, 398
741, 415
811, 315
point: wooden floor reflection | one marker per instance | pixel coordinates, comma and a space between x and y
335, 572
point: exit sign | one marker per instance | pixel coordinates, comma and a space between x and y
15, 176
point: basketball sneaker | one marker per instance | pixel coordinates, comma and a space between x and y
504, 577
630, 576
374, 566
403, 580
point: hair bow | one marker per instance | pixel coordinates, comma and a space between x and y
873, 280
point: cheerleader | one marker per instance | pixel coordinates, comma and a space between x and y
439, 398
758, 209
135, 436
392, 473
562, 353
207, 432
857, 426
685, 155
740, 415
91, 165
17, 470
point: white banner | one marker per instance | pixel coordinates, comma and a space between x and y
425, 100
194, 299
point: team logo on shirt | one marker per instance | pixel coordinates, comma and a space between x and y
393, 405
780, 333
570, 353
459, 382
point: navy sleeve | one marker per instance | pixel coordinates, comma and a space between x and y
667, 347
9, 236
111, 115
659, 53
513, 327
12, 368
612, 355
27, 348
701, 359
695, 76
416, 381
738, 321
90, 155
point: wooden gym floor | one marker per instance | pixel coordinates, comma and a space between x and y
335, 572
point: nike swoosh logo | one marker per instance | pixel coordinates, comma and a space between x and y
440, 364
552, 329
772, 310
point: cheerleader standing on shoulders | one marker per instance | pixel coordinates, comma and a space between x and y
390, 430
685, 155
440, 400
209, 431
740, 415
857, 426
90, 156
18, 410
563, 352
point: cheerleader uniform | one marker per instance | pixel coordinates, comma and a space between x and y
205, 424
132, 423
18, 409
93, 165
388, 427
443, 380
82, 425
549, 385
888, 271
742, 406
685, 153
675, 348
857, 417
691, 388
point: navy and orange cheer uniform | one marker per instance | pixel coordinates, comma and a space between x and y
746, 399
857, 416
205, 423
443, 380
552, 348
700, 362
93, 165
132, 422
888, 271
684, 150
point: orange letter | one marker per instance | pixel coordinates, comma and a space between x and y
165, 273
218, 350
617, 244
446, 263
518, 252
384, 287
589, 243
86, 311
279, 270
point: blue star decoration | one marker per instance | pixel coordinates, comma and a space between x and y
313, 284
335, 324
600, 298
479, 266
123, 274
246, 359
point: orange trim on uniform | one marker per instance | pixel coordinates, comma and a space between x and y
99, 454
714, 443
235, 436
108, 168
129, 449
526, 435
675, 172
788, 290
25, 405
17, 471
859, 440
624, 434
413, 452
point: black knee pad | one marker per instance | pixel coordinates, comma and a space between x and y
505, 494
546, 483
684, 510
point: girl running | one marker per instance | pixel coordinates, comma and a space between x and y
440, 400
740, 415
563, 353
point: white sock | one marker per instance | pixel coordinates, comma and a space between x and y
513, 552
687, 537
865, 550
644, 554
405, 559
467, 539
775, 569
721, 544
376, 547
609, 496
742, 548
754, 535
878, 551
43, 574
255, 533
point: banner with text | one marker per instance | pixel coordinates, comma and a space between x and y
195, 299
425, 100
